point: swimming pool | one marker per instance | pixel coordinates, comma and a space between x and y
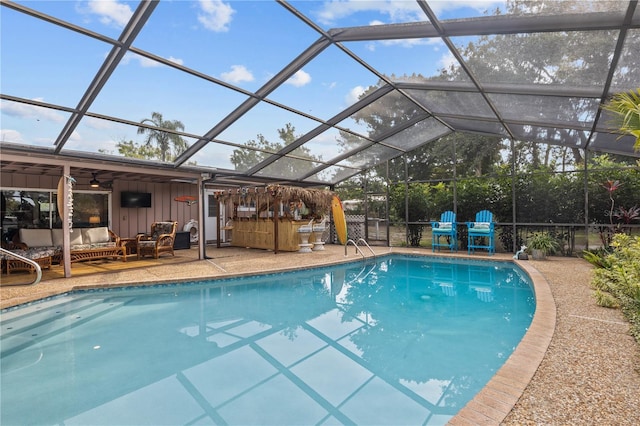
405, 340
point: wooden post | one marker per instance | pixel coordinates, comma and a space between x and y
276, 219
64, 215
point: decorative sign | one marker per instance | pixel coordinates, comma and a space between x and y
189, 199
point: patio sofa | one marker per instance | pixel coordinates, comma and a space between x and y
12, 264
86, 244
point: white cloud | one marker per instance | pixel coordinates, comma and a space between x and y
478, 5
176, 60
9, 135
111, 12
397, 11
75, 136
237, 74
96, 123
410, 42
354, 94
299, 79
216, 15
447, 60
87, 140
19, 110
146, 62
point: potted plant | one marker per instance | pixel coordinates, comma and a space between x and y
541, 244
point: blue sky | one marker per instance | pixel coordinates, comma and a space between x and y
244, 43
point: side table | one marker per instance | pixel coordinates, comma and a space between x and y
129, 246
182, 240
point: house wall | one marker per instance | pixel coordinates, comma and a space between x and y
126, 222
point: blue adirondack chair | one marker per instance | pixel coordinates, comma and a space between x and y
481, 234
446, 228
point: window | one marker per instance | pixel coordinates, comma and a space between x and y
213, 206
26, 208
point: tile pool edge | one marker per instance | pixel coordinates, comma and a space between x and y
498, 397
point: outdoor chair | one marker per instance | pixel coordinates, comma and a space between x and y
446, 228
160, 240
480, 233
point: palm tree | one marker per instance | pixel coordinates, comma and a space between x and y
161, 139
626, 108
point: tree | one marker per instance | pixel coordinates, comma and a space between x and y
626, 109
134, 150
563, 58
551, 59
169, 145
603, 169
416, 208
431, 160
299, 163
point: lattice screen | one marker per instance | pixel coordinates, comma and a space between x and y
355, 228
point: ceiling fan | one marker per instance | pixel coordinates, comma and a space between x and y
95, 183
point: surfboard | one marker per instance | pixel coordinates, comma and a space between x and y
61, 201
337, 281
339, 220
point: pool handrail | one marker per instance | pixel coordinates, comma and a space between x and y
355, 244
33, 263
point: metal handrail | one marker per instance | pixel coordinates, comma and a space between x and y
26, 260
355, 244
368, 246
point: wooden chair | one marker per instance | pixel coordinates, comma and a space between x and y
161, 239
482, 228
446, 228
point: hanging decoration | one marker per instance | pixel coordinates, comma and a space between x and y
69, 181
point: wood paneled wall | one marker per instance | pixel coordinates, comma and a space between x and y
125, 222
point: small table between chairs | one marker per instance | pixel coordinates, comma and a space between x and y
129, 246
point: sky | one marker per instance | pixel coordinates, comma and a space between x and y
242, 43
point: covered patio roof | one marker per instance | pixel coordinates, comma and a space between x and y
305, 92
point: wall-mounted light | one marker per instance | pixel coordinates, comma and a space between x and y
94, 183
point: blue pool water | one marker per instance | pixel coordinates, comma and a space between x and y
403, 341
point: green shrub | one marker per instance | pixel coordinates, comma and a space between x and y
617, 281
606, 300
597, 258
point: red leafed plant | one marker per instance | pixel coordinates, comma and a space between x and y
611, 186
626, 216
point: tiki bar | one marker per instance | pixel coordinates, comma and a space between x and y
277, 217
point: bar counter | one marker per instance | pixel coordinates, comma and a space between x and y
259, 233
